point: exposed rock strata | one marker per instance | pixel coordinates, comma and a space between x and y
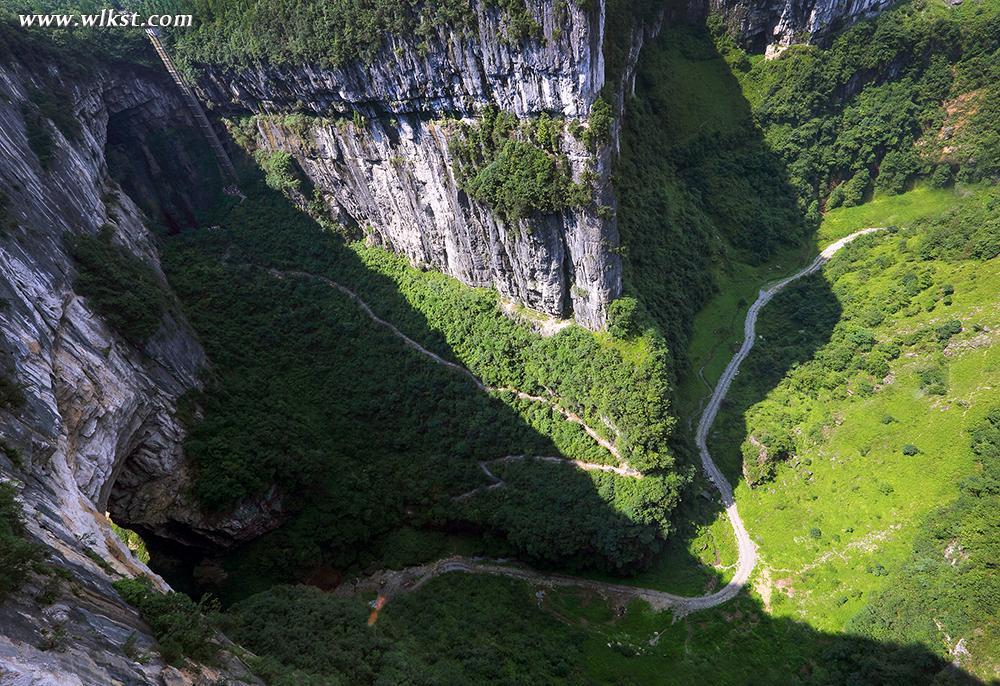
392, 175
96, 408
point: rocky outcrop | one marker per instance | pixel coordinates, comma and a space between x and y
390, 171
770, 26
96, 409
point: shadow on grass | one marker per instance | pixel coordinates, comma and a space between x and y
738, 643
699, 186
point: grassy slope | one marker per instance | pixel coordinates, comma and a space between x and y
855, 486
791, 628
889, 210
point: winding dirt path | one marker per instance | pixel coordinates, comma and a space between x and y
497, 482
389, 583
552, 400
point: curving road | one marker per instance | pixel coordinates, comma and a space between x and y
389, 583
747, 559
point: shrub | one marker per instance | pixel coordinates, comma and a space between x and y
933, 379
16, 553
623, 318
815, 533
942, 176
598, 124
515, 167
948, 329
121, 287
850, 193
910, 450
280, 170
178, 623
897, 167
521, 179
855, 189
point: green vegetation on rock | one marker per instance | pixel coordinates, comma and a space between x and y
17, 554
122, 288
179, 624
329, 34
516, 167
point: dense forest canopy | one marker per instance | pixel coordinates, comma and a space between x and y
910, 94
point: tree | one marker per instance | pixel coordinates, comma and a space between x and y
623, 318
16, 553
895, 171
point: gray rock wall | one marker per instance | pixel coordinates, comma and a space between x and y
772, 25
95, 406
394, 174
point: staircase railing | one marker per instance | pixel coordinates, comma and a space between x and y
196, 110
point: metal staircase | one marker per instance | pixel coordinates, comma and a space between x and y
198, 113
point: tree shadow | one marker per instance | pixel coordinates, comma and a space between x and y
697, 184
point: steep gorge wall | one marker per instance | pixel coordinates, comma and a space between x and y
770, 26
393, 173
377, 145
97, 410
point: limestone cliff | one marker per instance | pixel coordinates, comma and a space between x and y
770, 26
376, 146
390, 171
97, 410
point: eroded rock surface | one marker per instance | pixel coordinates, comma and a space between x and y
388, 170
97, 410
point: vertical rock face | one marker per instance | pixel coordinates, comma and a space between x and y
773, 25
390, 171
95, 407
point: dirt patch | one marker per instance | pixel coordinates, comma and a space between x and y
955, 553
785, 586
983, 339
764, 588
943, 144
